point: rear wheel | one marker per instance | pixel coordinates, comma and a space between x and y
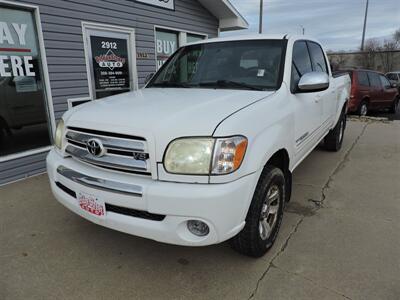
265, 214
334, 140
395, 106
363, 108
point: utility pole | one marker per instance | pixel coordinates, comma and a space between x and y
302, 29
365, 25
260, 29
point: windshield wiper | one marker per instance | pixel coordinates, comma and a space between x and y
170, 84
229, 83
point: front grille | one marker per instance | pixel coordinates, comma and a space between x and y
134, 213
122, 152
119, 209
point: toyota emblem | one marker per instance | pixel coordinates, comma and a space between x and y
95, 147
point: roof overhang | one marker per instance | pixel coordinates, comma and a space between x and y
228, 16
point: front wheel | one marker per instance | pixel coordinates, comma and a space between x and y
265, 214
334, 140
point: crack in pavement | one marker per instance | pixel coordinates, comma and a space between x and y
312, 281
318, 206
340, 166
271, 264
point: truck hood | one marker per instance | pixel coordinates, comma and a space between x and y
163, 114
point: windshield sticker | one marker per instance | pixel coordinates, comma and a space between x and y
261, 73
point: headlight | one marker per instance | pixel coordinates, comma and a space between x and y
205, 156
189, 156
58, 138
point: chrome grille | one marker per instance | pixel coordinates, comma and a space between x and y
121, 152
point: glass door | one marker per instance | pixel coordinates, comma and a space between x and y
110, 58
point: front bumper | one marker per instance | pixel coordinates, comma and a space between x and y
222, 206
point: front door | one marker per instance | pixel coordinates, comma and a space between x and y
388, 91
307, 106
328, 96
111, 59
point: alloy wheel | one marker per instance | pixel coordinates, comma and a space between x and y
269, 212
364, 110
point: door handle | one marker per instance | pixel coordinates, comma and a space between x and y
317, 99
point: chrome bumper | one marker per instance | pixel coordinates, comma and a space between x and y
101, 184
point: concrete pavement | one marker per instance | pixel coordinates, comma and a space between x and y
340, 239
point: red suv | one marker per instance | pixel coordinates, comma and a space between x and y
371, 90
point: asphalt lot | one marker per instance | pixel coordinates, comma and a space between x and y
340, 239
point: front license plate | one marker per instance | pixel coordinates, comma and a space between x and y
92, 204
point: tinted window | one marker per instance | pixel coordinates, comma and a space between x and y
384, 81
374, 79
362, 78
23, 112
301, 63
317, 57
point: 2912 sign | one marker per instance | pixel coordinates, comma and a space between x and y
110, 64
109, 45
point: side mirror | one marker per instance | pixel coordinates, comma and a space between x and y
148, 78
314, 82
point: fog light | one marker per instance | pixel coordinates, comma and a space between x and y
198, 228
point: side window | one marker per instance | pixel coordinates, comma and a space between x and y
392, 76
301, 63
385, 82
374, 80
317, 57
363, 78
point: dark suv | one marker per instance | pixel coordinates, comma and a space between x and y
371, 90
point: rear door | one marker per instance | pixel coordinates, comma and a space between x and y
307, 108
377, 97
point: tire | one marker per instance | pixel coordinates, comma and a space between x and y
254, 240
334, 140
363, 109
395, 106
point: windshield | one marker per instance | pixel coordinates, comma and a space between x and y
250, 64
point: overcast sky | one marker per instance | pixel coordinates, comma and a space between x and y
336, 23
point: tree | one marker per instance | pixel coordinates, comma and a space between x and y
396, 36
368, 57
386, 54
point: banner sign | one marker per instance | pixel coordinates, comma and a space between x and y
166, 45
16, 50
168, 4
110, 63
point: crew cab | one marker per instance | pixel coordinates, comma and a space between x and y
205, 152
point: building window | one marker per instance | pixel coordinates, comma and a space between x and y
168, 41
166, 45
109, 54
191, 38
24, 123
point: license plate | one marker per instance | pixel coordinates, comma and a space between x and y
92, 204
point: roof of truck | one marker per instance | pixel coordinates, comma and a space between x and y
253, 37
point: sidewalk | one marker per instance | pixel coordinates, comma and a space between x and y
340, 239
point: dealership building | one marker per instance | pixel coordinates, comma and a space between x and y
55, 54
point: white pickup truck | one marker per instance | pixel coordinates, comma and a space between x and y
205, 151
